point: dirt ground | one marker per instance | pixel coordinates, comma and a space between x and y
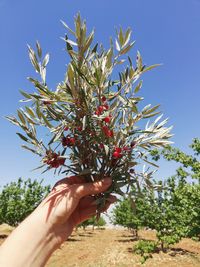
114, 248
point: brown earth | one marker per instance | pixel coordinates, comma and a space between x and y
114, 248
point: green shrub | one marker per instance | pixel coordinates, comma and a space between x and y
145, 248
18, 199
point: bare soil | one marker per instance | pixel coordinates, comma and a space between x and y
114, 248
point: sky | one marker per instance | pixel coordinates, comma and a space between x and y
166, 32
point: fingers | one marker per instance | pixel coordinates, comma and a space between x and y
92, 188
92, 201
92, 209
71, 180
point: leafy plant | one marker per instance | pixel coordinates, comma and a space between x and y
92, 118
145, 248
18, 199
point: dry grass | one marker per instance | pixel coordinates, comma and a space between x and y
114, 248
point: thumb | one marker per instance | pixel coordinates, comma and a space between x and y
94, 188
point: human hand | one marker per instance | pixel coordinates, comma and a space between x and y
71, 202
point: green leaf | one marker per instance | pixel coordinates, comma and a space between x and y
48, 124
151, 115
45, 61
138, 87
23, 137
13, 120
84, 122
126, 49
30, 149
71, 42
30, 112
151, 110
151, 67
67, 27
21, 117
25, 94
39, 50
117, 45
88, 41
106, 149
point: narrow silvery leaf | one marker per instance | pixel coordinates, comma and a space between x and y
84, 122
46, 60
67, 27
71, 42
39, 49
21, 117
138, 87
117, 45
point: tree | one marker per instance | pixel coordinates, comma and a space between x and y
18, 199
94, 222
130, 213
190, 164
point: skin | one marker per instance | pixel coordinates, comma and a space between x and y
70, 202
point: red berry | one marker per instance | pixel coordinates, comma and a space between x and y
101, 145
68, 141
46, 102
118, 149
105, 107
101, 109
107, 119
72, 141
66, 128
116, 155
103, 98
97, 113
109, 133
61, 161
126, 148
79, 128
105, 128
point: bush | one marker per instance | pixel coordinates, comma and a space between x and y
19, 199
145, 248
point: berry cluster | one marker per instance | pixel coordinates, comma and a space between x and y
53, 159
68, 141
103, 107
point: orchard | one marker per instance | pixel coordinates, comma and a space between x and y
92, 125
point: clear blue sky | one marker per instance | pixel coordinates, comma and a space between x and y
166, 32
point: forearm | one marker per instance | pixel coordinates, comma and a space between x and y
30, 244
